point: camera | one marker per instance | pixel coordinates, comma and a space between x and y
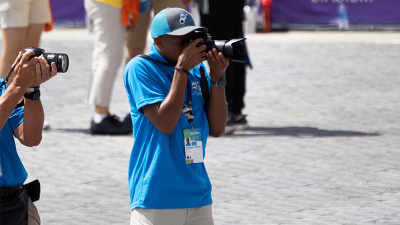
60, 59
232, 49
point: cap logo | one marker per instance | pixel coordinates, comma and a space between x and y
182, 17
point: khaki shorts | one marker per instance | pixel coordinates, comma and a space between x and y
33, 215
192, 216
21, 13
137, 38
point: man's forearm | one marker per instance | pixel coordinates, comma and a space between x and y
8, 100
33, 122
167, 115
217, 111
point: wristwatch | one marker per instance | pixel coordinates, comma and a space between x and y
35, 95
220, 84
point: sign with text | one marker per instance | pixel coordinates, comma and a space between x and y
373, 12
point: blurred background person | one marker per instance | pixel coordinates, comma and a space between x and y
22, 22
136, 40
224, 21
111, 20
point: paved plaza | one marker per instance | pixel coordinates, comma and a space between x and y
323, 147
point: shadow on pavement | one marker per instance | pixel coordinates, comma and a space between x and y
298, 132
77, 130
301, 132
70, 130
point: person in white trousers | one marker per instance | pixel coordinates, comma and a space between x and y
109, 39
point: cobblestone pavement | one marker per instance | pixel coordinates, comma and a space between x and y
323, 148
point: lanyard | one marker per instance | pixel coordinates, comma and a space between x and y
189, 113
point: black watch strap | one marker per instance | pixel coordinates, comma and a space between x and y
33, 96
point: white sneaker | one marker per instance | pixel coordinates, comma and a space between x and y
237, 123
46, 125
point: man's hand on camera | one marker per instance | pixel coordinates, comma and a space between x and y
24, 71
191, 55
43, 72
218, 64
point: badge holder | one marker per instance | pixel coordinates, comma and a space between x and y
193, 146
192, 137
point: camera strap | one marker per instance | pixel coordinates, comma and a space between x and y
203, 80
9, 74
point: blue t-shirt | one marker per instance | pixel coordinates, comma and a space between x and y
159, 177
12, 171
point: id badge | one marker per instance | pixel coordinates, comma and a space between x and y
193, 146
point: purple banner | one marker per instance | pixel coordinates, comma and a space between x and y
70, 12
371, 12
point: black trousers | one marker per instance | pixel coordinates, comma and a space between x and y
224, 22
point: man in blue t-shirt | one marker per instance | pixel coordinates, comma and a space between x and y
25, 122
168, 181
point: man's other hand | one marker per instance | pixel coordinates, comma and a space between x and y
43, 72
191, 55
218, 64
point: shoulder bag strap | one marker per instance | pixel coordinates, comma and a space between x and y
204, 89
170, 64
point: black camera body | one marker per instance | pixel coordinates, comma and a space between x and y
60, 59
232, 49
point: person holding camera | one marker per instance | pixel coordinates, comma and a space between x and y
167, 90
24, 121
136, 39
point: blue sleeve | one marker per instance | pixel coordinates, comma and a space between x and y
143, 84
16, 117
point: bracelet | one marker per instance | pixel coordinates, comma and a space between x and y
181, 69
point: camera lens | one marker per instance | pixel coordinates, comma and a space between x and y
60, 59
221, 47
64, 62
234, 49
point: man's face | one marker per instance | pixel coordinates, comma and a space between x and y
172, 46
